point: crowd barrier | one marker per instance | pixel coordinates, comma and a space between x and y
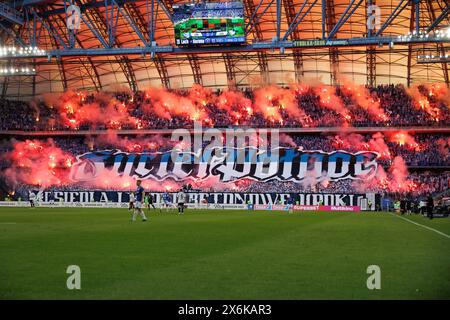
115, 205
277, 207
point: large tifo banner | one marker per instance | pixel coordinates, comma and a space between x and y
283, 164
218, 198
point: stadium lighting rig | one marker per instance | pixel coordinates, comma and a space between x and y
6, 71
431, 58
14, 52
422, 34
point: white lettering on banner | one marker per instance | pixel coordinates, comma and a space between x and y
189, 205
228, 164
310, 199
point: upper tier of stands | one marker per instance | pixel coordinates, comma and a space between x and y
294, 110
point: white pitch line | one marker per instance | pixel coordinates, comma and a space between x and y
421, 225
8, 222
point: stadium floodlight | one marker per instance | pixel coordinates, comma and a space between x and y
14, 52
433, 58
423, 35
6, 71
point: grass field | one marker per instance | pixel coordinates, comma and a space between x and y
220, 255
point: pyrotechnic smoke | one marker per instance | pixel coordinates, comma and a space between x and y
395, 180
274, 103
264, 103
76, 108
440, 91
399, 176
443, 145
421, 102
362, 97
111, 140
330, 100
235, 103
37, 162
404, 139
271, 100
168, 104
356, 142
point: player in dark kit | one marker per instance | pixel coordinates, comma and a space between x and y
140, 194
148, 199
430, 207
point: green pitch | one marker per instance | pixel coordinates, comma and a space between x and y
220, 255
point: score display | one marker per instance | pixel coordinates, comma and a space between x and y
209, 23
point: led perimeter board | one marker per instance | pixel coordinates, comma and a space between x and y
209, 23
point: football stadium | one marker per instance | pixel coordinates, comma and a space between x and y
225, 150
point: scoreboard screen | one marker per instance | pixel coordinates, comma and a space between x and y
209, 23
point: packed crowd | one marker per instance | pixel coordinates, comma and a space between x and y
399, 109
208, 10
427, 183
429, 151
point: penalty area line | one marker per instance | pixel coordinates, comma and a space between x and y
421, 225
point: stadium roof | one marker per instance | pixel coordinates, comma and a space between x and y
45, 23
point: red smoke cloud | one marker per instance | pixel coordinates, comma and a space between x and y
357, 142
36, 162
167, 104
421, 102
405, 139
330, 100
236, 104
362, 97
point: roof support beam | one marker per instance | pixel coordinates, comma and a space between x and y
231, 72
166, 9
62, 71
439, 19
252, 16
344, 17
333, 52
409, 62
132, 23
252, 12
52, 32
162, 70
371, 57
324, 18
5, 87
128, 71
11, 14
101, 25
394, 14
440, 45
296, 21
90, 70
297, 54
11, 33
256, 46
196, 71
262, 56
278, 19
158, 61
